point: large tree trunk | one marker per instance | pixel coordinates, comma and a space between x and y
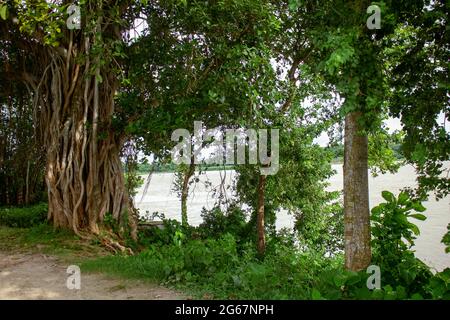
75, 104
356, 196
260, 215
74, 83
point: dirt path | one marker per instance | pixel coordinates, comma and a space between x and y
38, 276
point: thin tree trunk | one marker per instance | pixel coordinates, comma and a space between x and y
184, 217
260, 215
185, 192
27, 184
356, 196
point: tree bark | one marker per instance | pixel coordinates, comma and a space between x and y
185, 192
73, 83
356, 196
27, 184
74, 108
260, 215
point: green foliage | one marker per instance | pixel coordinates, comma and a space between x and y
120, 228
298, 187
446, 239
337, 283
132, 178
393, 236
342, 284
133, 182
219, 259
216, 267
337, 150
170, 233
197, 61
439, 285
214, 62
22, 160
3, 11
403, 276
383, 155
390, 221
42, 15
216, 223
417, 70
23, 217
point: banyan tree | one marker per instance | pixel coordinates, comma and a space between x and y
70, 59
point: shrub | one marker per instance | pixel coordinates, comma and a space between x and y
24, 217
217, 223
172, 231
216, 259
393, 236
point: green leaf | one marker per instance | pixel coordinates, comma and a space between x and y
315, 295
403, 197
416, 296
388, 196
418, 207
400, 218
445, 275
401, 292
420, 154
418, 216
377, 294
353, 278
339, 280
414, 229
293, 5
4, 12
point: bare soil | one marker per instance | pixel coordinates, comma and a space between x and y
39, 276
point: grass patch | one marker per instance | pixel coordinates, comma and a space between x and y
45, 239
214, 269
24, 229
224, 269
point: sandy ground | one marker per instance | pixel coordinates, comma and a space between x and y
37, 276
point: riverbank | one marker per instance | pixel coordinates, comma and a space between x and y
160, 198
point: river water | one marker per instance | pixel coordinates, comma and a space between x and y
159, 197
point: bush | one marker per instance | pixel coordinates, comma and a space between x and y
219, 259
24, 217
393, 236
172, 231
217, 268
217, 223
